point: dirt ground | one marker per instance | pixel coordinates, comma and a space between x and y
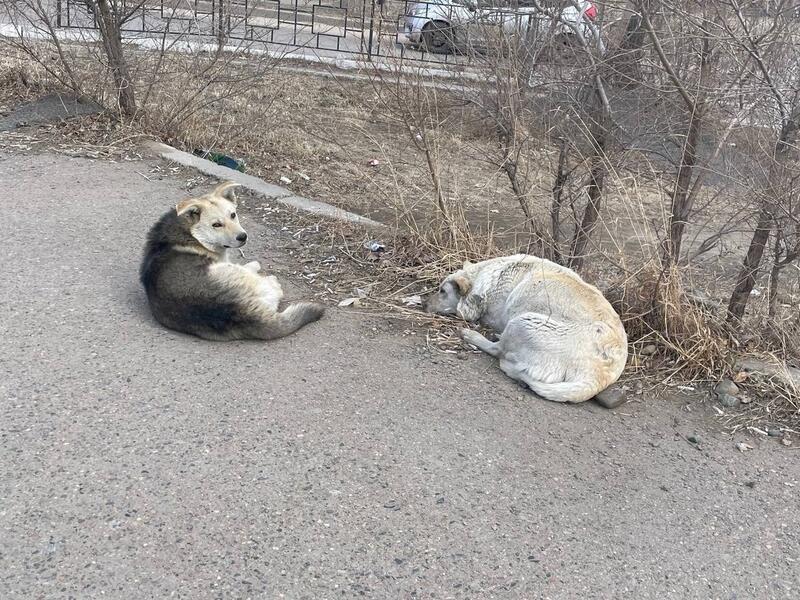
343, 141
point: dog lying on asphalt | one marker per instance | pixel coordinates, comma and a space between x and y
558, 334
192, 287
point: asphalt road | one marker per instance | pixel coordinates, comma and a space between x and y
342, 462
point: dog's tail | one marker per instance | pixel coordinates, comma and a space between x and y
563, 391
290, 320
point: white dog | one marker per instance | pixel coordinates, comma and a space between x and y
558, 334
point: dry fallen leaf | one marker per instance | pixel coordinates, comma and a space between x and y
741, 376
742, 447
350, 302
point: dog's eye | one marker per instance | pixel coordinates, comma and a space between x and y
216, 224
233, 215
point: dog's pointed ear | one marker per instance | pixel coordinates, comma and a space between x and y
189, 206
464, 285
225, 190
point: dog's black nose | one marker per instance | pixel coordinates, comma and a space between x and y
241, 237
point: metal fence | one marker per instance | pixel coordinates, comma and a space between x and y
423, 31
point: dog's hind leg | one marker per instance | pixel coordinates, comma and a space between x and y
540, 351
480, 342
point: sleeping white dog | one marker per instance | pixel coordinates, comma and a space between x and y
558, 334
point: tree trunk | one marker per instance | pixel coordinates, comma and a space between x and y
682, 200
775, 273
109, 25
752, 261
222, 36
625, 62
597, 174
755, 252
558, 199
592, 211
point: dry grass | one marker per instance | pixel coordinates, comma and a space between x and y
693, 343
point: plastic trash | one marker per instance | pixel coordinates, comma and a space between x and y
221, 159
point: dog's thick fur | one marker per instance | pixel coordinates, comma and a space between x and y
192, 287
558, 334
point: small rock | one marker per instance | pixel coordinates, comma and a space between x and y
693, 439
610, 397
726, 387
375, 246
729, 401
774, 433
742, 447
649, 350
285, 180
786, 442
750, 484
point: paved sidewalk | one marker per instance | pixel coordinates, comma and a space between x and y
341, 462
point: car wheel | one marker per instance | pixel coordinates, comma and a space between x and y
437, 37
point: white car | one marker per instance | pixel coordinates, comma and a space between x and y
445, 26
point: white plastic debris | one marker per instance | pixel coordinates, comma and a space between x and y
374, 246
414, 300
757, 430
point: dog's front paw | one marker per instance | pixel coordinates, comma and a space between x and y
253, 266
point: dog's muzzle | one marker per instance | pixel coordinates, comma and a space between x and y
241, 240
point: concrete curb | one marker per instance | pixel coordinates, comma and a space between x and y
260, 186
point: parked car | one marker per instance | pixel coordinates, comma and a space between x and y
445, 26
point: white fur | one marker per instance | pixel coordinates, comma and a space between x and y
558, 334
270, 292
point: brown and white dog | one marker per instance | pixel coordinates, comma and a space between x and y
558, 334
192, 287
